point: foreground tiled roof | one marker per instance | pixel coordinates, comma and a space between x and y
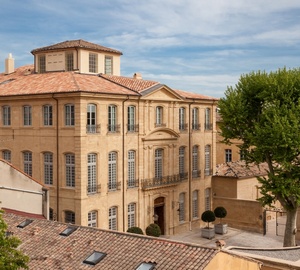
49, 250
239, 169
24, 82
79, 43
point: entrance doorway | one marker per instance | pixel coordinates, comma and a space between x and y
159, 213
274, 222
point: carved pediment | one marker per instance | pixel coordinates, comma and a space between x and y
162, 93
161, 134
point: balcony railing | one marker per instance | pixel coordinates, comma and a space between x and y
183, 127
132, 183
208, 126
196, 126
114, 186
132, 128
160, 182
183, 176
92, 189
113, 128
92, 128
160, 124
196, 173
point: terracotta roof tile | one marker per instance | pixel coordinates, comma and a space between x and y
49, 250
191, 95
79, 43
239, 169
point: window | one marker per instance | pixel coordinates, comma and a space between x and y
69, 230
195, 119
69, 62
182, 173
159, 117
146, 266
6, 155
108, 65
182, 125
94, 258
42, 63
208, 124
112, 171
47, 114
181, 207
228, 155
112, 218
27, 158
25, 223
195, 162
48, 168
91, 118
6, 115
70, 170
93, 63
27, 115
158, 163
131, 168
207, 199
92, 219
69, 217
69, 115
207, 160
112, 118
131, 119
92, 173
195, 211
131, 215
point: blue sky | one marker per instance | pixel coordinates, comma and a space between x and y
195, 45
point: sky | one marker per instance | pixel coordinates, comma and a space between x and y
199, 46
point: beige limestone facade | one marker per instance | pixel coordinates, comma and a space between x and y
114, 152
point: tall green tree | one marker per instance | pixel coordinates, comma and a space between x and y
263, 111
10, 257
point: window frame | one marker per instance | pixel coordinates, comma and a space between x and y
131, 170
48, 168
69, 115
159, 116
69, 217
91, 118
228, 155
195, 119
112, 170
113, 218
112, 118
92, 173
93, 62
42, 63
182, 116
158, 163
195, 161
6, 115
181, 217
131, 215
27, 115
181, 161
195, 204
69, 61
92, 218
207, 155
47, 115
131, 118
207, 120
27, 162
108, 65
70, 170
6, 155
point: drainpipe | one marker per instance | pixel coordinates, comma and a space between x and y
123, 161
57, 160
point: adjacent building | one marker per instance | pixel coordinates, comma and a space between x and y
115, 152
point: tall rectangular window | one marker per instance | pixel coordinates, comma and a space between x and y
195, 162
91, 118
112, 118
69, 115
112, 218
27, 159
92, 173
131, 215
70, 170
6, 115
27, 118
207, 199
228, 155
195, 119
131, 168
131, 119
182, 125
207, 160
112, 171
159, 116
92, 219
42, 63
195, 207
182, 162
48, 168
108, 65
181, 207
93, 63
208, 124
6, 155
47, 114
158, 163
69, 61
69, 217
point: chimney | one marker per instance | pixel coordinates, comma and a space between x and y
137, 76
9, 64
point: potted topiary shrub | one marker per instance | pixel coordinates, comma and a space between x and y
208, 216
153, 230
220, 212
136, 230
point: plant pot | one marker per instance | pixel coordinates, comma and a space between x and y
208, 233
220, 228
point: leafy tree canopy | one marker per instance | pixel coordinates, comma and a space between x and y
263, 111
